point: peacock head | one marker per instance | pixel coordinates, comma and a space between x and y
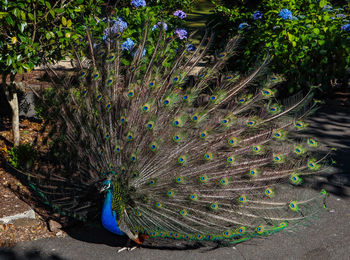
106, 185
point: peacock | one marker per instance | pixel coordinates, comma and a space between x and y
157, 148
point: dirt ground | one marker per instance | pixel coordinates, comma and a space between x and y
22, 229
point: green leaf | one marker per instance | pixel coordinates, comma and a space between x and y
316, 31
64, 21
52, 13
69, 23
31, 16
321, 42
23, 15
322, 3
9, 20
48, 5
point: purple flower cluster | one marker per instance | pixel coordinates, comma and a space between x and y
327, 8
340, 16
257, 15
181, 14
346, 27
117, 26
138, 3
181, 33
242, 26
156, 26
285, 14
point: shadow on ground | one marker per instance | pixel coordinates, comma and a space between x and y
10, 254
99, 235
331, 124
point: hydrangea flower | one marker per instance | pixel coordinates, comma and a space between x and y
136, 52
327, 8
301, 16
181, 14
242, 26
346, 27
257, 15
117, 26
157, 25
138, 3
191, 47
285, 14
181, 33
128, 45
340, 16
294, 18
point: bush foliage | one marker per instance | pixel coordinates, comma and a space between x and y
309, 40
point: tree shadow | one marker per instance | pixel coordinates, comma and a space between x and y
33, 254
331, 125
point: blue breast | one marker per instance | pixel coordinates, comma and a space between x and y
108, 218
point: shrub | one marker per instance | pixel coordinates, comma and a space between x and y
308, 40
22, 156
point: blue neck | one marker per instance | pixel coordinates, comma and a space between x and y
108, 217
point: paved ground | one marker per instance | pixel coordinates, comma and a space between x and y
327, 238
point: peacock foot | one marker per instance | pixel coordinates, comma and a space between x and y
139, 240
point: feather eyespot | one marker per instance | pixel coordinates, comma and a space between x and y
183, 212
214, 206
170, 193
130, 136
208, 156
242, 199
224, 181
268, 192
203, 134
203, 178
176, 138
227, 234
166, 102
293, 206
241, 230
131, 93
179, 179
222, 55
193, 197
152, 182
230, 159
260, 230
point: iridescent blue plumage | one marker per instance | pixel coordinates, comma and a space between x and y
108, 217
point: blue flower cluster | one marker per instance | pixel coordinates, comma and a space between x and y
346, 27
138, 3
257, 15
285, 14
243, 26
181, 33
181, 14
191, 47
156, 26
136, 52
128, 45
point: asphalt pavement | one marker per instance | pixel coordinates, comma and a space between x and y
327, 237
